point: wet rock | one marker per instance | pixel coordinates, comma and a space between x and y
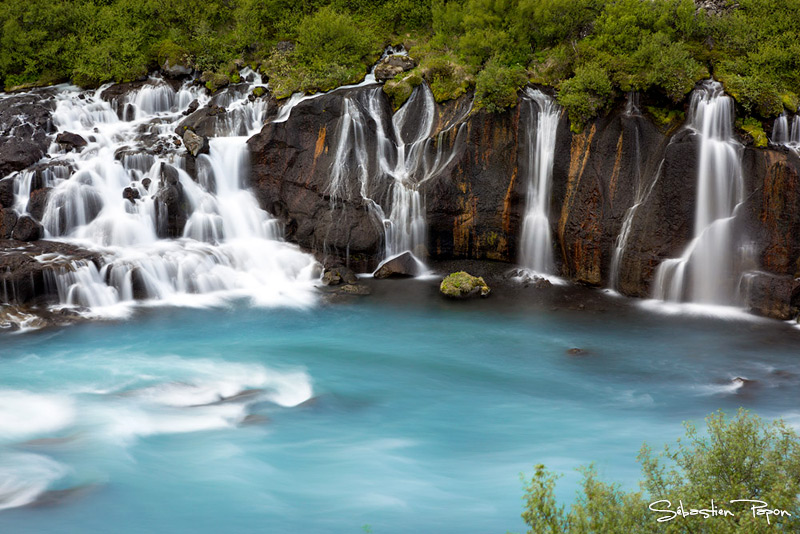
205, 122
130, 193
38, 202
770, 295
291, 168
337, 275
171, 204
8, 219
193, 105
284, 46
70, 141
391, 66
7, 193
25, 121
463, 285
27, 268
404, 265
577, 352
27, 229
195, 144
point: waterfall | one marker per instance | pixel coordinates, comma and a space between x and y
783, 135
374, 155
540, 132
706, 272
123, 191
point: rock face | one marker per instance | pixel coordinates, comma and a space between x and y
462, 285
24, 127
27, 229
403, 265
291, 169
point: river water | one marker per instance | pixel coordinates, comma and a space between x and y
383, 416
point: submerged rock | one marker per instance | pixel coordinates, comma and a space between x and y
355, 289
403, 265
464, 285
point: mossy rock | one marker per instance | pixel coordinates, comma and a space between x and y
463, 285
753, 129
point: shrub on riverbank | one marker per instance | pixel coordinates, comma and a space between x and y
739, 458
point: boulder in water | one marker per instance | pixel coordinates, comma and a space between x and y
192, 107
27, 229
130, 193
403, 265
195, 144
70, 141
464, 285
338, 275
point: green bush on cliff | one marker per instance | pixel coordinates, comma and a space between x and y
496, 86
739, 458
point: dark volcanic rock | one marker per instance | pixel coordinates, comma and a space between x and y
171, 204
203, 122
27, 269
292, 163
27, 229
70, 141
7, 193
771, 295
195, 144
400, 266
24, 125
38, 202
8, 219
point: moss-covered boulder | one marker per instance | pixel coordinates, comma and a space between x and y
463, 285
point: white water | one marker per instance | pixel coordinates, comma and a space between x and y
706, 272
398, 156
537, 247
782, 134
229, 247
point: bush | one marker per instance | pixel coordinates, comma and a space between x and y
740, 458
496, 87
586, 94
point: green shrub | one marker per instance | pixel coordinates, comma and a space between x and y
755, 130
740, 458
496, 87
585, 95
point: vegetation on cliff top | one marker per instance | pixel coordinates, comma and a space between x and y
592, 51
740, 458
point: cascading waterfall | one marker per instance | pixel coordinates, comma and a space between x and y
110, 197
782, 134
537, 248
405, 152
706, 272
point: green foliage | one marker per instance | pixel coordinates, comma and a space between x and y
399, 90
496, 87
666, 117
755, 130
586, 94
740, 458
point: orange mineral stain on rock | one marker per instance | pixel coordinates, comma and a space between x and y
579, 155
778, 211
616, 170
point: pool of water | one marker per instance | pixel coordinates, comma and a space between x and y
372, 416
